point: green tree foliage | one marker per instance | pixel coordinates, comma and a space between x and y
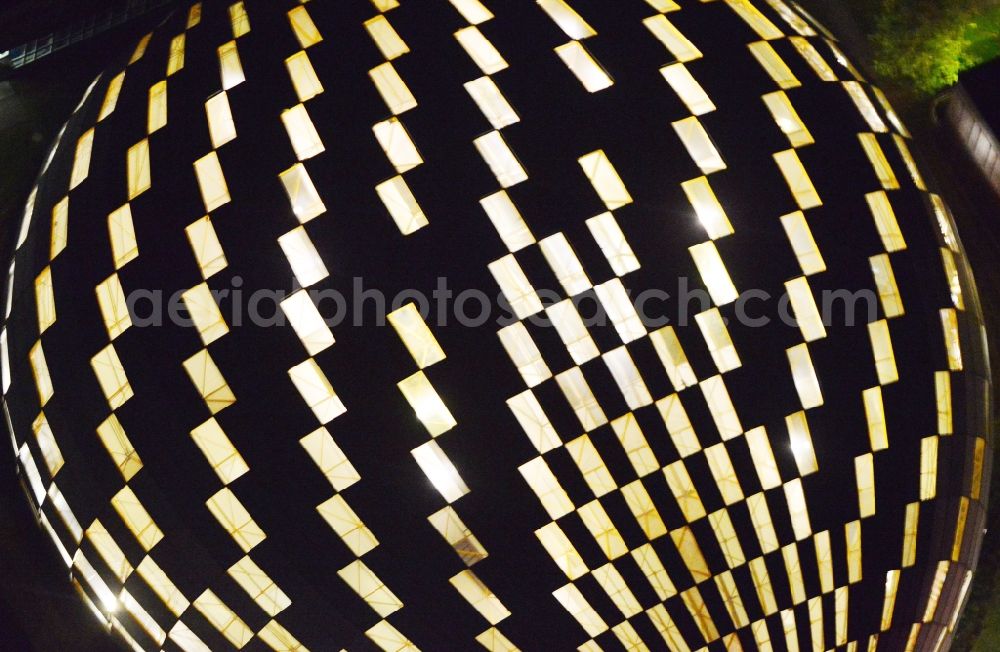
923, 44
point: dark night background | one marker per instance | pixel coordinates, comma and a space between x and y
38, 607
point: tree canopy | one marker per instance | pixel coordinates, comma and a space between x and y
924, 44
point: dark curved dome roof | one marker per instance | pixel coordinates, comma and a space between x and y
233, 449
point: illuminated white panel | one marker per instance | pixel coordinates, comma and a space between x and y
572, 332
136, 518
81, 159
797, 509
885, 359
301, 132
524, 354
109, 550
219, 451
45, 299
699, 146
597, 521
611, 240
397, 145
763, 458
307, 322
671, 38
885, 282
550, 493
477, 594
684, 491
235, 519
204, 312
402, 205
392, 88
515, 286
561, 549
773, 65
209, 382
157, 116
756, 20
386, 38
563, 261
721, 466
813, 58
804, 375
111, 97
788, 119
619, 307
117, 443
604, 177
580, 397
230, 67
224, 619
427, 404
507, 220
501, 161
60, 227
330, 459
304, 79
864, 470
211, 181
626, 375
576, 604
720, 345
678, 425
259, 586
688, 89
206, 246
111, 376
46, 440
162, 586
316, 391
865, 107
370, 588
672, 356
482, 52
410, 326
448, 524
305, 261
801, 443
302, 194
713, 273
137, 167
473, 11
304, 28
221, 127
801, 238
798, 179
440, 471
876, 156
536, 425
805, 310
949, 325
618, 590
587, 70
348, 525
634, 443
707, 207
719, 403
568, 20
238, 19
487, 96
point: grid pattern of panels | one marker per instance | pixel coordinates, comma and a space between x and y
658, 480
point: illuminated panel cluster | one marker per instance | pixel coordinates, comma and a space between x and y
694, 547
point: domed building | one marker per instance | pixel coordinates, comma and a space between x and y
464, 324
